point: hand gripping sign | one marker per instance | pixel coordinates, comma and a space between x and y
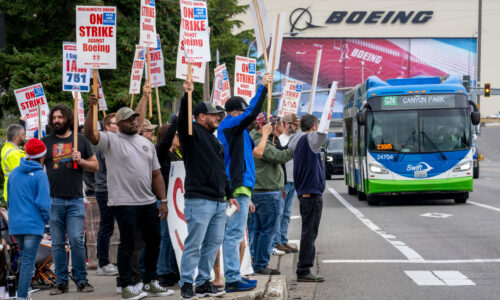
29, 99
74, 78
244, 77
96, 37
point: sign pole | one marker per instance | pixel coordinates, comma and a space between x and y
39, 111
94, 108
315, 79
75, 127
132, 101
158, 106
148, 60
270, 91
190, 103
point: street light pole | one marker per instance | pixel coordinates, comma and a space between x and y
362, 71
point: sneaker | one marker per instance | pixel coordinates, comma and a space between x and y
131, 293
156, 290
107, 270
268, 271
239, 286
187, 292
283, 248
139, 285
208, 289
310, 278
59, 288
275, 251
292, 248
84, 287
249, 280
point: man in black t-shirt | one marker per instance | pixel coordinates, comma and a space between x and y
67, 212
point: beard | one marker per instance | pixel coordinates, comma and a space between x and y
22, 143
60, 128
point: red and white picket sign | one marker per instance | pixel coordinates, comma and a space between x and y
290, 98
181, 70
195, 31
137, 70
102, 100
244, 77
96, 37
28, 99
326, 117
81, 111
156, 65
148, 24
222, 91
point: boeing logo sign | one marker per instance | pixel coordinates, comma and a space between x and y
301, 18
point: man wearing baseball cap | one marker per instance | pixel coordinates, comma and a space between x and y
148, 130
132, 168
240, 167
206, 190
29, 209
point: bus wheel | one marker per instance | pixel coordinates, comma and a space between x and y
372, 200
462, 198
351, 190
361, 196
475, 171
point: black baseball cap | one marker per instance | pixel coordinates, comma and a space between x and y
235, 103
206, 108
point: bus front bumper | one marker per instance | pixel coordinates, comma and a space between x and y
380, 186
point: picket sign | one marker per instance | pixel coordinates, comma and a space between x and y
284, 84
315, 80
103, 106
261, 27
290, 98
80, 109
177, 225
148, 24
181, 71
326, 117
195, 31
74, 78
33, 103
137, 70
222, 89
244, 77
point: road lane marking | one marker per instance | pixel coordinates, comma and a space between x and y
404, 261
436, 215
484, 205
294, 217
402, 247
447, 278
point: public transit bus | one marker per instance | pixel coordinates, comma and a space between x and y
409, 136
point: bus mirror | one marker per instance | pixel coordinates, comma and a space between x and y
475, 117
362, 117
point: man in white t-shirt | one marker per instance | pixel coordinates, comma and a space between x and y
133, 167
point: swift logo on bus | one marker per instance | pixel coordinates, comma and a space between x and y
421, 166
390, 100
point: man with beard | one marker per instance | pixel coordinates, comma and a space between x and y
206, 185
12, 152
132, 169
67, 212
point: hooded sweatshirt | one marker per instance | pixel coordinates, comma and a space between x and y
29, 199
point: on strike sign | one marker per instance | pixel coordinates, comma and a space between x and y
137, 68
74, 78
28, 99
156, 65
148, 24
195, 32
96, 37
222, 91
244, 78
291, 98
181, 70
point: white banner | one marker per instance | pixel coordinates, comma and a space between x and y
279, 40
326, 117
284, 84
137, 70
198, 68
102, 101
28, 99
81, 110
74, 78
222, 91
195, 31
177, 225
148, 24
244, 77
96, 37
265, 26
291, 98
315, 78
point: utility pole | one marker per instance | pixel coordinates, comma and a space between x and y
479, 29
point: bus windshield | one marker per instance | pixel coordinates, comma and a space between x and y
429, 130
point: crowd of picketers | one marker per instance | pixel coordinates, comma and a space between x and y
236, 159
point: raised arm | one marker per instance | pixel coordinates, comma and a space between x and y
141, 107
182, 125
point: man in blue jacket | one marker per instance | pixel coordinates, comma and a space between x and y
29, 209
240, 167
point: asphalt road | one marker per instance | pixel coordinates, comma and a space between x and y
410, 249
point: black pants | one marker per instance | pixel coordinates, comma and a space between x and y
130, 219
106, 227
310, 211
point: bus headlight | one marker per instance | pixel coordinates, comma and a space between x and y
378, 169
329, 158
465, 166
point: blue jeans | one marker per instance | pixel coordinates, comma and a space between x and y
263, 226
29, 246
235, 232
206, 220
68, 214
166, 258
286, 212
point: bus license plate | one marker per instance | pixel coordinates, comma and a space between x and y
420, 174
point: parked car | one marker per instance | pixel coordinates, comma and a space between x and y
334, 158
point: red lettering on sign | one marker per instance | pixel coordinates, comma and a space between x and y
188, 12
95, 18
